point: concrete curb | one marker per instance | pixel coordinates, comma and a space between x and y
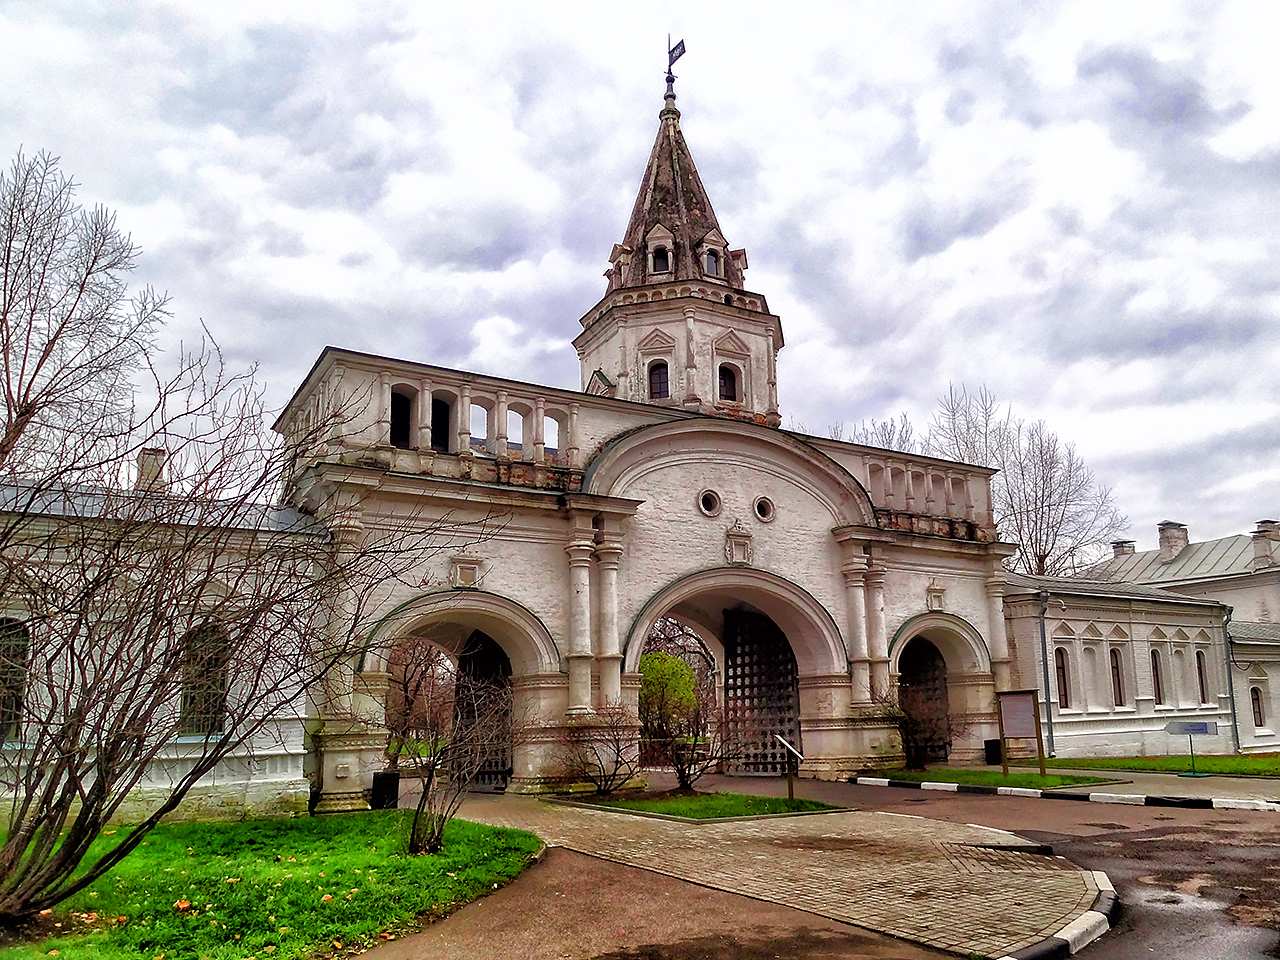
1135, 799
1081, 931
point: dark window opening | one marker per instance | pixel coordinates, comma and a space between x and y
661, 260
659, 387
1200, 675
206, 656
401, 411
1060, 662
441, 422
709, 503
15, 649
1156, 681
713, 264
728, 384
728, 299
1117, 679
1255, 700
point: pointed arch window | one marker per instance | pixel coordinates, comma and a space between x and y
1255, 701
1060, 665
728, 383
206, 657
1202, 676
1117, 679
661, 260
1157, 682
15, 653
659, 385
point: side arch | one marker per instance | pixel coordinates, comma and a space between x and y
522, 635
960, 642
809, 627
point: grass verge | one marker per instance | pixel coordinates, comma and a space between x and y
285, 889
987, 778
706, 806
1244, 765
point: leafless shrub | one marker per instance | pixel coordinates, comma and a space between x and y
601, 749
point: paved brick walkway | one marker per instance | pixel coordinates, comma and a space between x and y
936, 883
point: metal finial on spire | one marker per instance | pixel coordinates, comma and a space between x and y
673, 54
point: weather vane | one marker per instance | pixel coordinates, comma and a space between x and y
673, 54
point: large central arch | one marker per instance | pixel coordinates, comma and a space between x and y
701, 598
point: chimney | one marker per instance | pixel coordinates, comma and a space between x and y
151, 468
1121, 548
1173, 539
1265, 536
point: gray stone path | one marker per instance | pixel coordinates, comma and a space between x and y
929, 881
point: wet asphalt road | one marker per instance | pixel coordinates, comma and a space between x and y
1196, 884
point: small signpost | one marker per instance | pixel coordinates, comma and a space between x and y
1191, 729
1018, 713
791, 783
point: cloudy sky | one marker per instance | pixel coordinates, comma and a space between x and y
1075, 204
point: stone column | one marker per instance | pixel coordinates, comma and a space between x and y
500, 431
854, 570
877, 642
998, 640
424, 417
580, 548
574, 443
464, 421
539, 441
384, 405
609, 648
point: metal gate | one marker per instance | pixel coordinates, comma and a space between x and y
761, 692
922, 694
483, 660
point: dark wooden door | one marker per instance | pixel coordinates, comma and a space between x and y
761, 692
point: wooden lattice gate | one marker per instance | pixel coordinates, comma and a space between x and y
483, 660
761, 692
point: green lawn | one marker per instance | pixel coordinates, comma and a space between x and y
986, 778
1245, 765
277, 888
705, 806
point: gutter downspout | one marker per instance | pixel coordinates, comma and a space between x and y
1043, 597
1231, 686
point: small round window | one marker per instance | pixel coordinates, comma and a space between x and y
709, 502
765, 509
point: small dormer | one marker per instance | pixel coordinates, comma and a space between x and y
711, 256
661, 248
620, 266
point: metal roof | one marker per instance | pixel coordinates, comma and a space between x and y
1253, 630
1021, 582
1206, 560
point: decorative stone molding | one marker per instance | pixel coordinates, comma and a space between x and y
935, 595
466, 570
737, 544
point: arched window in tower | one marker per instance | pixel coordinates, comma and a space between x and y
728, 383
712, 264
401, 411
661, 260
1255, 700
659, 387
1060, 664
1117, 679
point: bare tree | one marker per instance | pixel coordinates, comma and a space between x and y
445, 726
161, 612
1045, 498
601, 749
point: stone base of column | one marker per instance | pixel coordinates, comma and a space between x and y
346, 801
579, 685
610, 678
879, 677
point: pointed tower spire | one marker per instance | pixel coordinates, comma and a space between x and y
676, 326
673, 233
